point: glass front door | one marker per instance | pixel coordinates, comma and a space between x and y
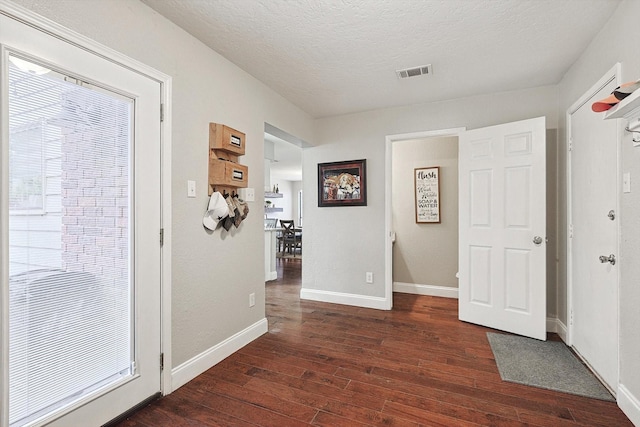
80, 256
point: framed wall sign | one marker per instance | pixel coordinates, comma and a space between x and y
427, 191
342, 183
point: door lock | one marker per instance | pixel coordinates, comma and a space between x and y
611, 258
612, 215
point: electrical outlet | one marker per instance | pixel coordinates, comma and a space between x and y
191, 189
252, 299
369, 277
247, 194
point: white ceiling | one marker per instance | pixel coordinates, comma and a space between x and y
333, 57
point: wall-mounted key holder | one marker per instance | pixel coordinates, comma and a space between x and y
227, 173
225, 146
224, 138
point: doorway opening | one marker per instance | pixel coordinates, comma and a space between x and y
425, 254
502, 256
283, 209
393, 169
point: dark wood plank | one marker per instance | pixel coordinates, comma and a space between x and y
448, 415
454, 393
334, 365
423, 397
193, 415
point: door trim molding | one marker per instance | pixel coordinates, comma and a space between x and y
614, 74
388, 218
629, 404
60, 32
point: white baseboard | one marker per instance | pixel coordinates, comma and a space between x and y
561, 329
629, 404
272, 275
182, 374
555, 325
431, 290
345, 299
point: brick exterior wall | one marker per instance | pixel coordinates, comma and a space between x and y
95, 185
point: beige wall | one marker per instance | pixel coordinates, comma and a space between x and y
425, 254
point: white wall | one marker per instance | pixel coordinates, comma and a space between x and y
425, 254
285, 202
346, 242
613, 44
212, 273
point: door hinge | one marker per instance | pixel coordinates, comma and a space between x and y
162, 361
570, 231
570, 144
571, 317
161, 113
161, 236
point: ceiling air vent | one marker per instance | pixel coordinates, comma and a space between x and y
414, 72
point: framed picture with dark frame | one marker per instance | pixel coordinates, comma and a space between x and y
342, 183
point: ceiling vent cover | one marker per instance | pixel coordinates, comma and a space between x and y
423, 70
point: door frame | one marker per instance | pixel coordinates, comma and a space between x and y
388, 207
614, 74
56, 30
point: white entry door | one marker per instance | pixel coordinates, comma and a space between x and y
502, 228
593, 320
80, 250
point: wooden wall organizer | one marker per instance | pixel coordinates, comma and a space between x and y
225, 146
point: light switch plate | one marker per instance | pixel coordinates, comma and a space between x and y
191, 189
626, 182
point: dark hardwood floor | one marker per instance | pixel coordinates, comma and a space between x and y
332, 365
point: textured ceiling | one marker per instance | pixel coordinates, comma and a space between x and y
332, 57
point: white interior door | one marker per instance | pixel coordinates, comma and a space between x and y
80, 188
502, 229
593, 319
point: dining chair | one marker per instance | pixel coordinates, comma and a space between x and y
291, 241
